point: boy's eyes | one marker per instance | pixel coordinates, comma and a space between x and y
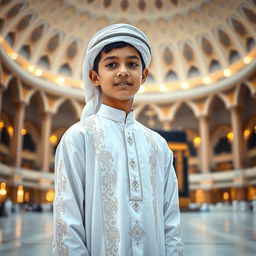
129, 64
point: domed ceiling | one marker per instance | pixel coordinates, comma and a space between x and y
195, 43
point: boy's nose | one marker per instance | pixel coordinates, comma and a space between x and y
122, 71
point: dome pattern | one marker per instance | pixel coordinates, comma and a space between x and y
195, 43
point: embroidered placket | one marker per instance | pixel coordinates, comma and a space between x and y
133, 168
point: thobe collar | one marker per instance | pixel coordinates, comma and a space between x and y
116, 115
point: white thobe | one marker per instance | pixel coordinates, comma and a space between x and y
116, 190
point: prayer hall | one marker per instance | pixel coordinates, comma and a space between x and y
200, 95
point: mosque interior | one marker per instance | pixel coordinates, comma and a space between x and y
202, 81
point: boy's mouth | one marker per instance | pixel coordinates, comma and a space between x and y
123, 84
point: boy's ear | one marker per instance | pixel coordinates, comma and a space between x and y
94, 77
144, 75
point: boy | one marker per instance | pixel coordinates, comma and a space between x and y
116, 189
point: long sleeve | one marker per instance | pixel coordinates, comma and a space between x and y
69, 226
173, 242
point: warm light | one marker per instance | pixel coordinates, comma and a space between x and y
14, 55
10, 130
1, 124
23, 131
227, 72
38, 72
60, 80
3, 191
199, 196
207, 80
247, 59
163, 88
53, 139
197, 141
20, 194
247, 133
27, 196
225, 195
1, 40
50, 196
230, 136
142, 89
184, 85
31, 68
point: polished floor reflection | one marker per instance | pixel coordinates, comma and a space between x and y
208, 234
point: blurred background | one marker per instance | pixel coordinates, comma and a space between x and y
200, 93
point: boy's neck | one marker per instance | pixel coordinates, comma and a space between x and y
126, 106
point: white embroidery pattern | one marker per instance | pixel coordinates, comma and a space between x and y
108, 181
61, 225
137, 233
153, 162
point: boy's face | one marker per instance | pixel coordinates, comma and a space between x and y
119, 75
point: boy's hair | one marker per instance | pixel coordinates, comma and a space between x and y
109, 47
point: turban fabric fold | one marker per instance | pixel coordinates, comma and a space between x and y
111, 34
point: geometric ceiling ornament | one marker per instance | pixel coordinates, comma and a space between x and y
238, 27
168, 56
142, 5
24, 22
124, 4
224, 38
37, 33
206, 46
159, 4
188, 52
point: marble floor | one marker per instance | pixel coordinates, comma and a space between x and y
204, 233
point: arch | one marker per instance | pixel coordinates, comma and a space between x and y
171, 76
214, 66
75, 108
44, 62
178, 105
234, 56
40, 99
10, 38
33, 130
221, 130
240, 92
210, 103
65, 69
250, 86
25, 51
250, 44
219, 140
193, 72
14, 85
138, 110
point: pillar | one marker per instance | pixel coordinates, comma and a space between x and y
238, 142
45, 141
205, 143
17, 138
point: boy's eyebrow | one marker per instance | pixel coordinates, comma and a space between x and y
116, 57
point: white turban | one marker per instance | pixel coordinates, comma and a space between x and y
111, 34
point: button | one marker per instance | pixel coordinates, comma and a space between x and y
132, 164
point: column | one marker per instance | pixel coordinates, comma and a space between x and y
238, 142
45, 141
205, 143
17, 138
